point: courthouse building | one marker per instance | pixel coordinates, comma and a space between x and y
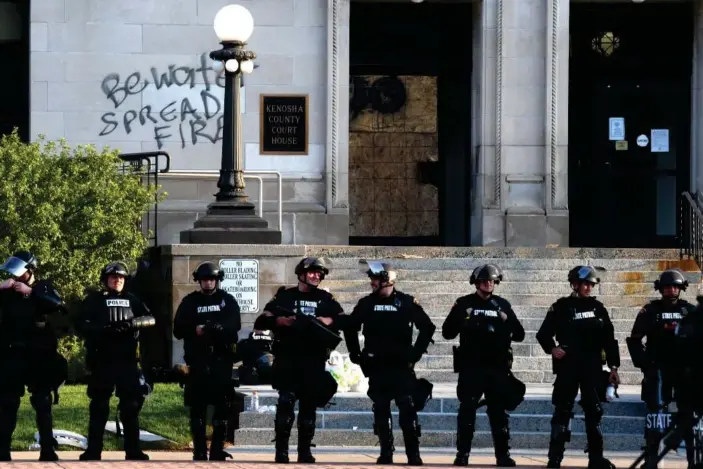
491, 122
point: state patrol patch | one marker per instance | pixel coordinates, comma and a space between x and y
415, 301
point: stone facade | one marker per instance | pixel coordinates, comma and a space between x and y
87, 53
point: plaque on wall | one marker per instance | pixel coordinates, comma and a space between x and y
284, 124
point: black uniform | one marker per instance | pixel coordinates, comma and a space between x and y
110, 322
256, 353
387, 359
583, 329
29, 356
659, 363
484, 359
210, 359
299, 362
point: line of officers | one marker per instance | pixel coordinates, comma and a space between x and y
306, 320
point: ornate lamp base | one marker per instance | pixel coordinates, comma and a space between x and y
231, 222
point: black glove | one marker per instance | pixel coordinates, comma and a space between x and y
122, 327
215, 327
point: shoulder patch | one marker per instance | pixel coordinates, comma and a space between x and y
416, 301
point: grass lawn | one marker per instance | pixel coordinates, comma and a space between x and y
163, 414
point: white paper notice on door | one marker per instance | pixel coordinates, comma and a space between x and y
660, 140
616, 128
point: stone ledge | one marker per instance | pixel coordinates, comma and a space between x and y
269, 206
401, 252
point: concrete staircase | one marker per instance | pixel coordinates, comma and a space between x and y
533, 280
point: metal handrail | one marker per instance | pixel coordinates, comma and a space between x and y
139, 160
691, 236
247, 174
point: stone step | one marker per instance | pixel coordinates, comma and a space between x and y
363, 421
538, 363
626, 406
522, 312
444, 301
437, 439
526, 376
513, 275
517, 263
443, 347
460, 288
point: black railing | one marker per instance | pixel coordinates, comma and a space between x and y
691, 229
148, 164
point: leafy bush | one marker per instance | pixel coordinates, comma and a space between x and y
75, 209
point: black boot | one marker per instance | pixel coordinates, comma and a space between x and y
8, 422
198, 433
599, 463
464, 438
283, 426
384, 431
411, 434
99, 412
129, 414
217, 446
557, 443
306, 432
42, 407
501, 445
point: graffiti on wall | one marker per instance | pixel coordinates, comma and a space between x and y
188, 117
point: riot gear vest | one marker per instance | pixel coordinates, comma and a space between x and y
580, 327
387, 326
219, 314
289, 341
20, 314
484, 337
663, 318
104, 310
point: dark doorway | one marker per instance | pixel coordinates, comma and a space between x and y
631, 64
410, 79
14, 56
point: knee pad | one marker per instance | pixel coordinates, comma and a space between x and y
286, 400
130, 407
562, 416
41, 402
593, 414
97, 405
497, 417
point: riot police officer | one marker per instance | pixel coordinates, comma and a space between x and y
208, 322
28, 350
659, 361
387, 317
487, 325
257, 358
296, 315
582, 327
110, 320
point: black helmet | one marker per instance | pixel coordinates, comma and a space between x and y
583, 273
671, 277
208, 270
114, 268
313, 264
486, 272
19, 263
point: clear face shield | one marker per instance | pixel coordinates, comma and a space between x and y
381, 274
15, 267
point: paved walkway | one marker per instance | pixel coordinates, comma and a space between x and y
255, 458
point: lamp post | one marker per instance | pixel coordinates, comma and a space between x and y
231, 219
233, 26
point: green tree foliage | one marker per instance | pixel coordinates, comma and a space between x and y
75, 209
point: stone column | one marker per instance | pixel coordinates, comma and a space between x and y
520, 130
697, 100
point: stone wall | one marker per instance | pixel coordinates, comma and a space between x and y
135, 75
386, 198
